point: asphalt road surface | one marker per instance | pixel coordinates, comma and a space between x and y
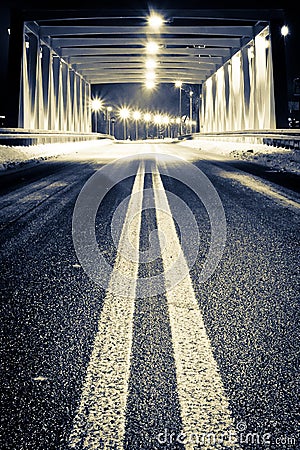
150, 301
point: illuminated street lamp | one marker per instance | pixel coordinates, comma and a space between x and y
150, 64
158, 121
178, 84
96, 106
150, 75
150, 84
124, 114
136, 115
284, 30
155, 21
152, 47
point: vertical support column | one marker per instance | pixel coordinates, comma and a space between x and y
279, 74
60, 109
80, 104
32, 75
63, 97
76, 102
46, 61
246, 78
24, 102
72, 98
39, 112
227, 112
86, 106
89, 110
15, 53
56, 84
52, 99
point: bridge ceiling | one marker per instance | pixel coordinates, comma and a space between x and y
111, 46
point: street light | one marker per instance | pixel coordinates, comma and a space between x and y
157, 120
124, 114
150, 84
166, 122
155, 21
150, 75
285, 30
178, 84
178, 122
191, 111
136, 115
147, 118
109, 110
150, 63
152, 47
96, 105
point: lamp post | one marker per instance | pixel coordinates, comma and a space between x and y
136, 115
158, 121
178, 84
147, 118
191, 111
178, 122
96, 105
109, 110
112, 121
124, 114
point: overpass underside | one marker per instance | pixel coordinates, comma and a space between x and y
237, 58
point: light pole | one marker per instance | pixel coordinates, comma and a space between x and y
124, 114
178, 122
147, 118
191, 111
178, 84
109, 110
166, 122
96, 105
158, 121
136, 115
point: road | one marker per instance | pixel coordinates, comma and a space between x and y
150, 301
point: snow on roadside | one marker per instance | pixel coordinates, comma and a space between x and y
12, 157
276, 158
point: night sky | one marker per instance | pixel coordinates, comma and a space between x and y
164, 98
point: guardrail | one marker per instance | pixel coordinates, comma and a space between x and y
286, 138
25, 137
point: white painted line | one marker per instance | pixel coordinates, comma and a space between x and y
202, 397
100, 421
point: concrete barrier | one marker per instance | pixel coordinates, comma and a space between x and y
287, 138
24, 137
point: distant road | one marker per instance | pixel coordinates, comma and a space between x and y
150, 301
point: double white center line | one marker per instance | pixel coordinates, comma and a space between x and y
100, 421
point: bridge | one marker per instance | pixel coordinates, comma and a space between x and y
236, 59
150, 294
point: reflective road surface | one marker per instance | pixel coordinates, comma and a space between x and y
150, 301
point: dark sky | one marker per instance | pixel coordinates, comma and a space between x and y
163, 99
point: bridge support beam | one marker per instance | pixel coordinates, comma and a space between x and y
44, 92
250, 91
